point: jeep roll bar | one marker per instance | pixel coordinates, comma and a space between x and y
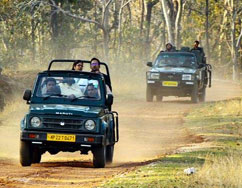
106, 76
209, 69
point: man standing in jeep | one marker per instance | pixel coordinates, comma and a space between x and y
196, 44
169, 47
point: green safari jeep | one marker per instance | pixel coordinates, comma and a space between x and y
69, 111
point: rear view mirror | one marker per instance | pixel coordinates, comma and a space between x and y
27, 95
201, 66
149, 64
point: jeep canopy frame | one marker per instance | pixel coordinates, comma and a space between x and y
106, 76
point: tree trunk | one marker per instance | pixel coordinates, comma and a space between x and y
119, 27
33, 34
142, 17
149, 6
54, 28
178, 24
233, 45
207, 27
168, 21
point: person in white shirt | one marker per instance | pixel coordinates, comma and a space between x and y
70, 88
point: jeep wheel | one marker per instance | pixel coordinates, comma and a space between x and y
159, 98
194, 95
36, 156
99, 157
149, 94
25, 153
202, 95
109, 153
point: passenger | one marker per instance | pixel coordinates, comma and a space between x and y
51, 87
95, 65
91, 91
169, 47
195, 47
70, 88
77, 66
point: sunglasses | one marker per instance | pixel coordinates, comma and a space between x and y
94, 64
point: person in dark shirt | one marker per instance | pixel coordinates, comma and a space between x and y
196, 47
95, 65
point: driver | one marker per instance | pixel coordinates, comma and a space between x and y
51, 88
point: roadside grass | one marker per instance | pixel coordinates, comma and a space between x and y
219, 164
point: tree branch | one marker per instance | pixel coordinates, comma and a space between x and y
239, 39
68, 13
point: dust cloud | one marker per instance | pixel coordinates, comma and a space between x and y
147, 130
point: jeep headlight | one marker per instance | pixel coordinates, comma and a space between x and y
35, 122
187, 77
90, 125
154, 76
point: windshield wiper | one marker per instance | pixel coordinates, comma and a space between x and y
166, 65
84, 96
58, 95
187, 66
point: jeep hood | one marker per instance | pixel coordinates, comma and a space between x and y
60, 109
174, 69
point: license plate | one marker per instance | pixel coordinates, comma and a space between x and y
170, 84
61, 137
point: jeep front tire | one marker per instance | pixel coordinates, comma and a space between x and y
25, 153
149, 94
194, 94
202, 95
99, 157
109, 154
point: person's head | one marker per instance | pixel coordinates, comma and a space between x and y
196, 44
50, 84
91, 90
77, 66
95, 65
69, 81
168, 46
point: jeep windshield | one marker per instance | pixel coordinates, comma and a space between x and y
73, 88
176, 60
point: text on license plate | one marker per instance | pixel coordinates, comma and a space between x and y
169, 84
61, 137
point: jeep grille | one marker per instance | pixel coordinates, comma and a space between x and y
170, 76
62, 123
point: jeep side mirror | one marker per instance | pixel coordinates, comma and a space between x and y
109, 100
27, 95
149, 64
201, 66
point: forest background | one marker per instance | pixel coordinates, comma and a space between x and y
121, 32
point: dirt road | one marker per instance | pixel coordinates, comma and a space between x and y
147, 131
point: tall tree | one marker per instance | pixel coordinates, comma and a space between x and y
172, 12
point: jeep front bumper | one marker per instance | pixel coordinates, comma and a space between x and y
70, 138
